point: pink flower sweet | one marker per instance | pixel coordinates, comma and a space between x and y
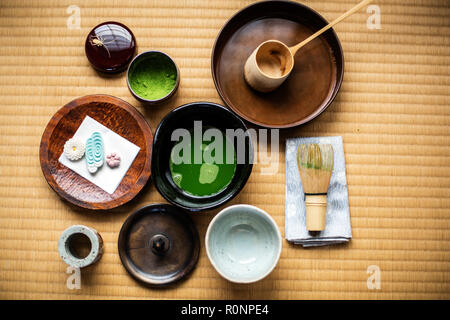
113, 160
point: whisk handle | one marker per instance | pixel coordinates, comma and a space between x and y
316, 212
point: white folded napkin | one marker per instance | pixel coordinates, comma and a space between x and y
338, 228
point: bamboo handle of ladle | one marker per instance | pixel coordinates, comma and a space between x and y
330, 25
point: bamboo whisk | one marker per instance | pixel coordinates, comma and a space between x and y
315, 164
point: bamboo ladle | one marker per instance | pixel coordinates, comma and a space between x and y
272, 61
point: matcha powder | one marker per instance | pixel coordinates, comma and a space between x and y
154, 77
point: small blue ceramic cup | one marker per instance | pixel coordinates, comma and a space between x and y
243, 243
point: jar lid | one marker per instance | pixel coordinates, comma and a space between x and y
159, 244
110, 47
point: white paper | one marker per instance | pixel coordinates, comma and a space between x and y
105, 178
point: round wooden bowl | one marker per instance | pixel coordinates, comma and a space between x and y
313, 83
117, 115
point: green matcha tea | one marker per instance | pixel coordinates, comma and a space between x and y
204, 178
154, 77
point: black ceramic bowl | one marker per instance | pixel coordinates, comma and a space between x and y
211, 115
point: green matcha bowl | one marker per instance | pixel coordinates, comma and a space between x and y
153, 77
184, 118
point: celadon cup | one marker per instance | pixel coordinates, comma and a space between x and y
243, 243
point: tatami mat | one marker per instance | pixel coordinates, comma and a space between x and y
393, 113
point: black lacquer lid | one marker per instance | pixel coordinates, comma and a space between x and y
110, 47
159, 244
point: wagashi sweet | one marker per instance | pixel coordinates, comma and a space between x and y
94, 152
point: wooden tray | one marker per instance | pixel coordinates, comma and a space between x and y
115, 114
314, 81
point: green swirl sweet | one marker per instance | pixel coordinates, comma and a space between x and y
95, 154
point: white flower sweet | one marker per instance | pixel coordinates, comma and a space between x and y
74, 149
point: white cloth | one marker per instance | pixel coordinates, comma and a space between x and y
105, 178
337, 228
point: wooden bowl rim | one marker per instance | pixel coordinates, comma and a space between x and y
224, 97
63, 111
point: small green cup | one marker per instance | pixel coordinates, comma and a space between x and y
153, 77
